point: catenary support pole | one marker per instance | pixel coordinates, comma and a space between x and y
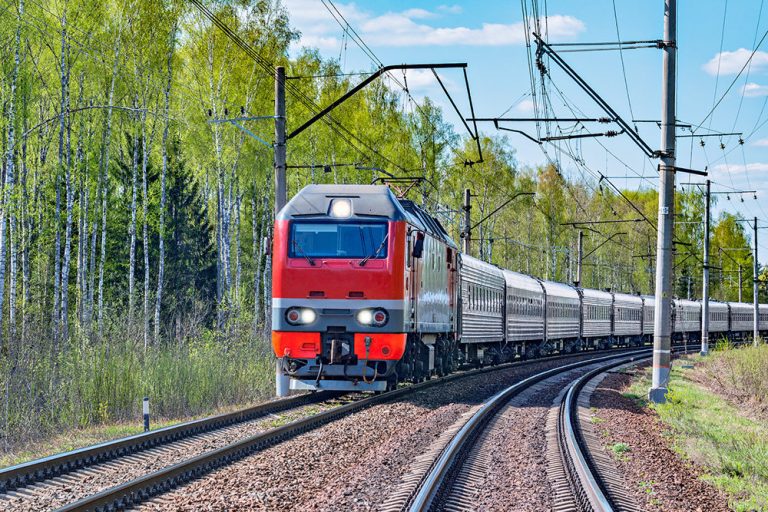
580, 258
662, 340
740, 283
705, 284
755, 285
467, 221
282, 386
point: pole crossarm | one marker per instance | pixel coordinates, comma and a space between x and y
543, 47
373, 76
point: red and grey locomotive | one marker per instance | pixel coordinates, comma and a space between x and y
364, 289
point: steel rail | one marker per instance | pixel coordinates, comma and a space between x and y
433, 485
586, 484
46, 468
141, 489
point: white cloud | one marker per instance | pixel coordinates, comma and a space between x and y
752, 90
407, 28
396, 29
740, 168
525, 107
419, 13
732, 62
450, 9
761, 143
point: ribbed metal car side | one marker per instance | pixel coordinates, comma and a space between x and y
687, 316
482, 301
742, 316
627, 314
596, 313
562, 311
525, 308
718, 316
649, 313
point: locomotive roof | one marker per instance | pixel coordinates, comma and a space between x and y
368, 201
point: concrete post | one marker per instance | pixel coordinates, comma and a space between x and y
740, 287
755, 284
705, 285
467, 221
662, 340
282, 384
580, 258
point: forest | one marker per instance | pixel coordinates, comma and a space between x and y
135, 228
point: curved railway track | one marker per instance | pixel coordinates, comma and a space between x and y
62, 467
446, 484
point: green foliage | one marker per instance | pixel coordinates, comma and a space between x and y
105, 382
721, 437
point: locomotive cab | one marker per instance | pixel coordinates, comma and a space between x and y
342, 303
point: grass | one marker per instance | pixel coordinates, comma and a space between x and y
620, 449
719, 435
92, 391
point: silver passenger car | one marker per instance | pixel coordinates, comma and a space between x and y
627, 315
718, 317
763, 317
597, 309
482, 301
649, 314
687, 316
525, 308
742, 316
562, 311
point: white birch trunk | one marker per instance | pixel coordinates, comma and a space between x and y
132, 230
161, 245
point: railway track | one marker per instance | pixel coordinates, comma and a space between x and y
63, 469
448, 477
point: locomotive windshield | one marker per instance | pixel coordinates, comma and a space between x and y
338, 240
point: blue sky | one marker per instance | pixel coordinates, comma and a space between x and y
489, 36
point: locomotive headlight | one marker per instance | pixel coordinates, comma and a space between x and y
341, 208
300, 316
365, 316
375, 317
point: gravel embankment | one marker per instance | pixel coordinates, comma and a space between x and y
656, 475
355, 462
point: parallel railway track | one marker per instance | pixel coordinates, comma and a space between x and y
448, 474
148, 485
